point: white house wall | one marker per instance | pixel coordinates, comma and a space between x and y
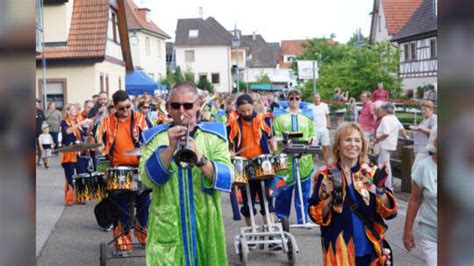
153, 64
83, 81
57, 21
275, 74
413, 83
381, 33
208, 60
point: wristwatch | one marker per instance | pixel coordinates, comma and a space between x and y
203, 161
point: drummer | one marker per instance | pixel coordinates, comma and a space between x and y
73, 131
121, 132
249, 134
294, 119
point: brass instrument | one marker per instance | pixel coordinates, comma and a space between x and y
184, 157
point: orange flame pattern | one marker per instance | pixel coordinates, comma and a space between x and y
342, 255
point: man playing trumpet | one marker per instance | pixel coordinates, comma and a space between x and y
186, 226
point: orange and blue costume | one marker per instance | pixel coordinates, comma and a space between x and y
119, 136
251, 141
345, 239
69, 160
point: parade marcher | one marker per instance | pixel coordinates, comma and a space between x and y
380, 94
53, 118
144, 108
229, 113
121, 132
186, 223
424, 197
88, 105
321, 123
387, 136
101, 101
46, 143
347, 192
73, 132
422, 131
40, 118
294, 120
249, 136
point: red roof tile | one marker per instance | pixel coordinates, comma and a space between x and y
135, 21
87, 34
290, 47
398, 12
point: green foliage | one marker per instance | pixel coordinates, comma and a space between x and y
188, 76
351, 68
178, 74
263, 79
243, 87
204, 84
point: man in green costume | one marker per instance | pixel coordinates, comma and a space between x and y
185, 225
294, 119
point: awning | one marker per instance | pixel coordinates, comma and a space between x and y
266, 87
137, 83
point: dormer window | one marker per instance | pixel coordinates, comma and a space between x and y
193, 33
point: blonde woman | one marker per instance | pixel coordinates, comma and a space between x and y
346, 192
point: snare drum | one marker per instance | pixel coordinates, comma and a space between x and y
280, 162
100, 186
263, 165
83, 187
240, 175
122, 178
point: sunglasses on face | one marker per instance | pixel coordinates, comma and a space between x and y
177, 106
294, 98
122, 108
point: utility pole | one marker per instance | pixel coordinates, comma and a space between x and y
236, 45
314, 77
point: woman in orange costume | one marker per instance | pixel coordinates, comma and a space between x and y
72, 132
345, 239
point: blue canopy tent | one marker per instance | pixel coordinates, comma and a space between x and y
137, 83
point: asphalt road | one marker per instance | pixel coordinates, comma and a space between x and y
70, 235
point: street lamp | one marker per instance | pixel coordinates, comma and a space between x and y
236, 45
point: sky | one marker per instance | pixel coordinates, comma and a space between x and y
274, 20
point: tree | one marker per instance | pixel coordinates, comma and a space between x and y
263, 79
178, 74
204, 84
351, 68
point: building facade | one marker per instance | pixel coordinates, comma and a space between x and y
81, 60
417, 42
147, 42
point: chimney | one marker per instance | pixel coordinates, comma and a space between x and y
144, 13
254, 36
200, 12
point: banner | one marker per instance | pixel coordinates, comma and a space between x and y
305, 69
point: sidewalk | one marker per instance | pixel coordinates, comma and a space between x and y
49, 200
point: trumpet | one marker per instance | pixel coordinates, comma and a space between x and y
185, 157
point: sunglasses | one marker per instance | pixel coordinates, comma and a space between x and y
145, 107
122, 108
177, 106
294, 98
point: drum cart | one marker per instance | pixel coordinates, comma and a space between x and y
264, 232
107, 249
297, 150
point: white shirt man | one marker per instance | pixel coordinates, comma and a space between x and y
321, 124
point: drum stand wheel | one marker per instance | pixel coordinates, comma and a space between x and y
103, 254
291, 253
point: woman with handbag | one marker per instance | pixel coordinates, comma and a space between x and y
350, 202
